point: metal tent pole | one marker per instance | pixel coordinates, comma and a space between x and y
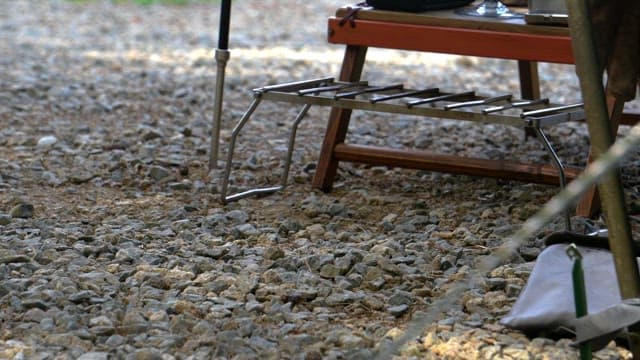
222, 56
611, 190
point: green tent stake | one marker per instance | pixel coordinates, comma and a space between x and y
579, 293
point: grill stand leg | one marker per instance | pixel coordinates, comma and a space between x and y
558, 163
292, 142
224, 199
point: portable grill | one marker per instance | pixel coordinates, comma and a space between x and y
396, 99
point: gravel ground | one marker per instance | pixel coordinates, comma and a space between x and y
113, 243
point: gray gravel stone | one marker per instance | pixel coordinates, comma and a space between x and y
158, 173
24, 211
94, 355
237, 216
398, 310
400, 298
5, 219
245, 230
47, 141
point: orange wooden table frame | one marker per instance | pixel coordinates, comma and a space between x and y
440, 32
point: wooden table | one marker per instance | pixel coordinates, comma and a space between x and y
439, 32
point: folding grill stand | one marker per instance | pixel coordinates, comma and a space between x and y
397, 100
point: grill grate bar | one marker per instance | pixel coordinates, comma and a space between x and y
367, 90
441, 98
516, 104
327, 88
404, 94
478, 102
550, 110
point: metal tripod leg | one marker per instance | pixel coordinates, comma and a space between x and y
611, 189
222, 56
285, 173
558, 163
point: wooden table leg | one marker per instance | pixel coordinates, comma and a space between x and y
589, 204
529, 81
338, 124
